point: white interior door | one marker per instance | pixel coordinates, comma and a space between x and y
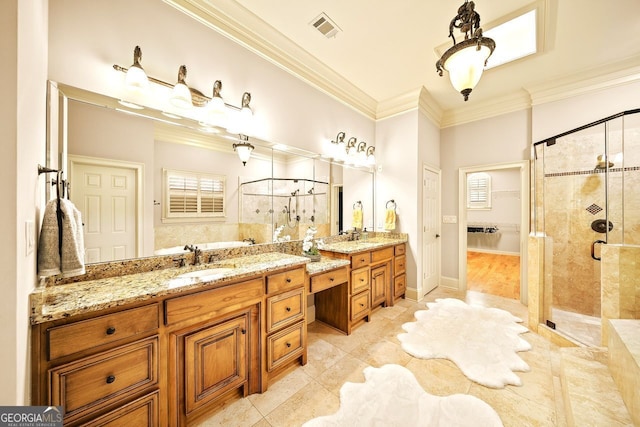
431, 230
106, 196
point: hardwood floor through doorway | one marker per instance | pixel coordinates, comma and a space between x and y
494, 274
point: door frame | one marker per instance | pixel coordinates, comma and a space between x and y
524, 168
438, 172
138, 169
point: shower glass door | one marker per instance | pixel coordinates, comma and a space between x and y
576, 222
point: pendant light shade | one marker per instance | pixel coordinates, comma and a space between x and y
465, 61
244, 149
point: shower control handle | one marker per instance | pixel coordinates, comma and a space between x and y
593, 249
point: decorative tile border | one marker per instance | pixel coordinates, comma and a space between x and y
592, 171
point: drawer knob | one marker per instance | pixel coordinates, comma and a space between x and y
111, 330
243, 331
288, 280
288, 344
361, 279
331, 279
361, 259
288, 308
110, 379
361, 305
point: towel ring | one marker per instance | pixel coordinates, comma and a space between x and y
357, 205
393, 203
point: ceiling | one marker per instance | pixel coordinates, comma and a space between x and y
386, 51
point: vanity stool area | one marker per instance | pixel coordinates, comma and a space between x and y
168, 347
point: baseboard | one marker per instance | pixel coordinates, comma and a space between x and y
491, 251
411, 294
449, 282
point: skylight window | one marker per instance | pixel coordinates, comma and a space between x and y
514, 39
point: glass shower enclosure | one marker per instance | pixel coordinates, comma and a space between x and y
586, 194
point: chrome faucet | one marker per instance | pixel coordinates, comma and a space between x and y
196, 253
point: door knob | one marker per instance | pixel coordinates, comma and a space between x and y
437, 235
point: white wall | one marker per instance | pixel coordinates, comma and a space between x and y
560, 116
87, 37
23, 28
501, 139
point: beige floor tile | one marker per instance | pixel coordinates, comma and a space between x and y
439, 377
312, 401
347, 369
238, 413
321, 355
381, 353
280, 391
515, 410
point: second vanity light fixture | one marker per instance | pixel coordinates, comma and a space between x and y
351, 152
212, 111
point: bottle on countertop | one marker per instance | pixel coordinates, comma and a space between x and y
365, 234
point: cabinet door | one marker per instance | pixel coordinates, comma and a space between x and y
359, 280
379, 280
215, 361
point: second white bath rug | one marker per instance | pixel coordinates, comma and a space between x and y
481, 341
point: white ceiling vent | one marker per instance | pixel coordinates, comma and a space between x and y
325, 25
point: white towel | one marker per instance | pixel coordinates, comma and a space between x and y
68, 260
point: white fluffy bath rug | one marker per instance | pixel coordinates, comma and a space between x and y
482, 341
391, 396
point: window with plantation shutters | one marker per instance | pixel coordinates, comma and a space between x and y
479, 191
192, 195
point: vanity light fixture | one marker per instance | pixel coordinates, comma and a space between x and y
335, 146
371, 157
244, 149
181, 95
185, 97
466, 60
351, 152
136, 78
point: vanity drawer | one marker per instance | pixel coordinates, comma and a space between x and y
285, 280
327, 280
399, 265
360, 260
359, 280
75, 337
285, 345
400, 249
285, 308
212, 303
382, 254
91, 383
399, 285
140, 412
359, 305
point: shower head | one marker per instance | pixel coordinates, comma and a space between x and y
310, 191
602, 162
295, 192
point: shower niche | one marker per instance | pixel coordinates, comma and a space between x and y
585, 196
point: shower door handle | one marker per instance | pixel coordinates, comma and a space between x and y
593, 249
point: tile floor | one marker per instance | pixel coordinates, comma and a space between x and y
310, 391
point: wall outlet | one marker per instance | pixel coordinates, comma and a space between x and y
449, 219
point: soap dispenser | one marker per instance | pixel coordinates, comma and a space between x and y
365, 234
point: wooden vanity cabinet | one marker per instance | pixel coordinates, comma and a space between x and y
285, 330
101, 368
399, 272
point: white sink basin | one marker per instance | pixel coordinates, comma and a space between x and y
207, 274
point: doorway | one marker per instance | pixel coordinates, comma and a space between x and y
430, 229
493, 229
108, 194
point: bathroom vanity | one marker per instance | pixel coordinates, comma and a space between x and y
166, 347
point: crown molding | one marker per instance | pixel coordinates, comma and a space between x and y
235, 22
430, 107
510, 103
593, 80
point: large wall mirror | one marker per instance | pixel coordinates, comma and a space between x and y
126, 166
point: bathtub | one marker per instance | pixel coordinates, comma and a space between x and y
204, 246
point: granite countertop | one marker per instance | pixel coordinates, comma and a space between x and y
355, 246
62, 301
325, 264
